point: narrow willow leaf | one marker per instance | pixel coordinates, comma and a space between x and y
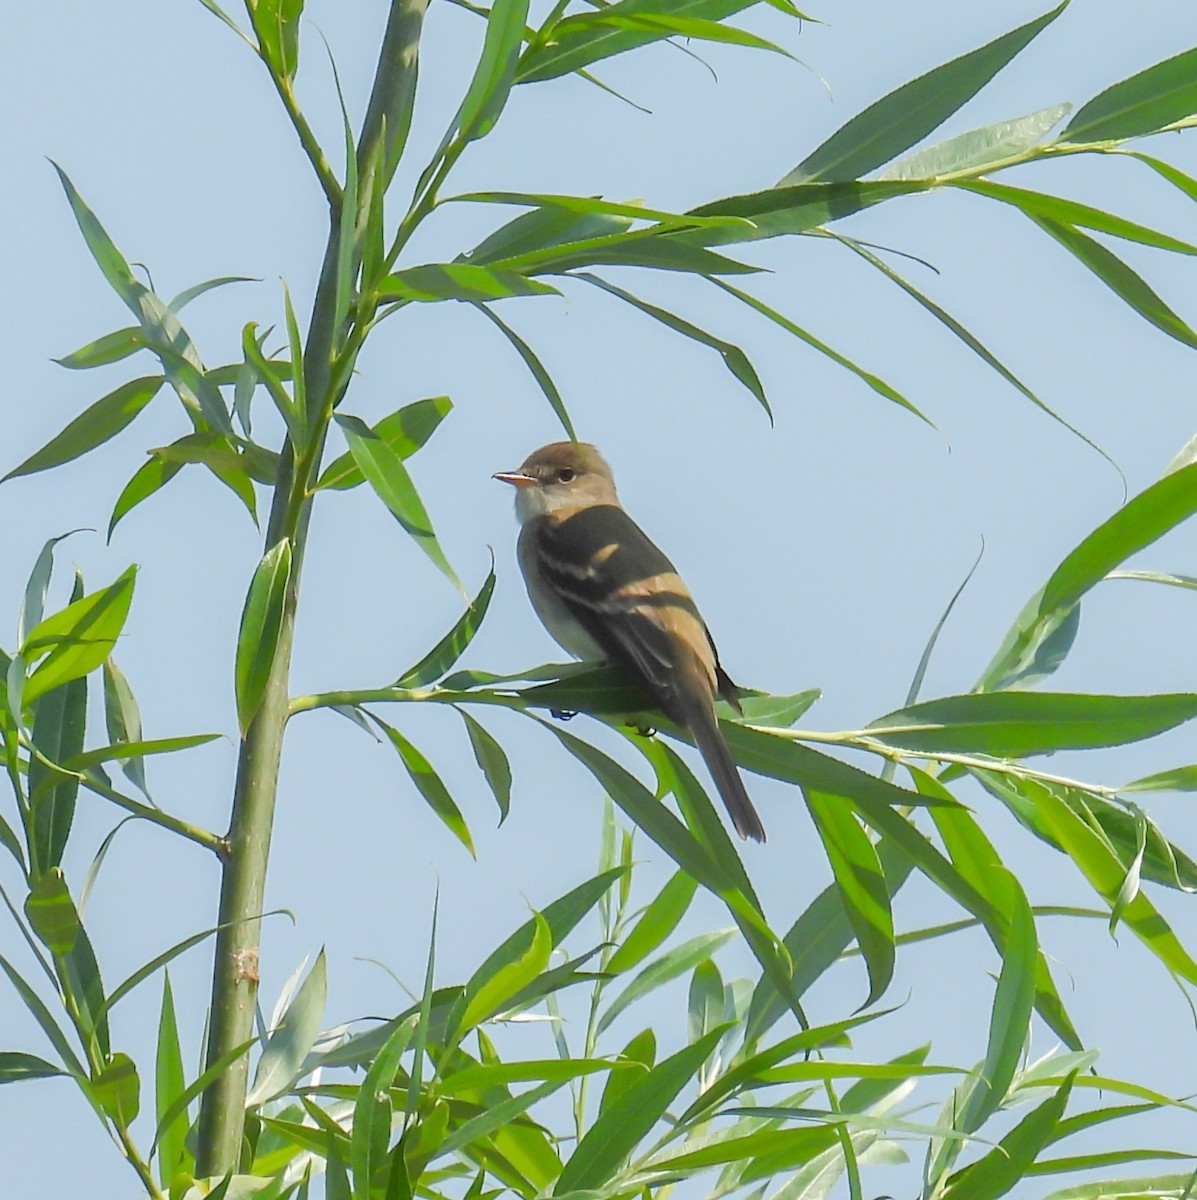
638, 1055
135, 750
563, 46
92, 427
33, 603
1144, 103
51, 913
492, 761
295, 345
288, 1044
386, 474
616, 1132
656, 923
112, 347
79, 638
1071, 212
689, 27
261, 625
861, 880
1185, 183
1141, 521
1098, 863
405, 431
495, 73
41, 1014
108, 258
276, 22
118, 1089
476, 1078
989, 146
372, 1115
543, 379
430, 785
973, 343
734, 358
877, 384
450, 648
1131, 881
908, 114
59, 723
588, 206
672, 964
1124, 282
146, 481
169, 1083
268, 373
122, 718
1178, 779
779, 712
540, 228
459, 281
491, 995
15, 1066
643, 248
1014, 724
974, 856
197, 1087
196, 290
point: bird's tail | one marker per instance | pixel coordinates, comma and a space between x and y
704, 726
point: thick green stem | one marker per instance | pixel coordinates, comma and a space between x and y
236, 968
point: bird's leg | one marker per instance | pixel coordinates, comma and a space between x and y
562, 714
646, 731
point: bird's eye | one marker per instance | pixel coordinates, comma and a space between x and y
566, 474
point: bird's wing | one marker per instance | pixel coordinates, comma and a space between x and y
628, 597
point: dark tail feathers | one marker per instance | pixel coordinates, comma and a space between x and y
709, 740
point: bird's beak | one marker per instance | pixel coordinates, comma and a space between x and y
515, 478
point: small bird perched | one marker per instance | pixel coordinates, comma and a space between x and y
604, 591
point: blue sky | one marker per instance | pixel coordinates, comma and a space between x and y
822, 550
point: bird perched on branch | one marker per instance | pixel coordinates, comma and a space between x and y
604, 591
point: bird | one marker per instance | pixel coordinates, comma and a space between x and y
605, 592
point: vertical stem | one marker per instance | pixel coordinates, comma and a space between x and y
243, 883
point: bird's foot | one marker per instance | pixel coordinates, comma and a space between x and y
645, 730
562, 714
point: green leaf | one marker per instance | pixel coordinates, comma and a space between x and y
450, 648
734, 358
59, 722
488, 996
495, 73
122, 718
641, 1053
372, 1114
270, 376
51, 913
118, 1090
616, 1132
146, 481
15, 1066
1144, 103
794, 209
861, 881
108, 258
1146, 517
1015, 724
1070, 212
656, 923
1099, 864
670, 965
777, 712
459, 281
79, 638
137, 750
41, 1014
909, 113
197, 1086
169, 1083
261, 626
492, 761
642, 248
404, 431
979, 148
1125, 283
878, 385
543, 379
287, 1045
688, 27
112, 347
386, 474
430, 785
276, 22
539, 228
564, 46
1010, 1160
1178, 779
196, 290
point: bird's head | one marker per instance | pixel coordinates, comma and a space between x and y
559, 479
